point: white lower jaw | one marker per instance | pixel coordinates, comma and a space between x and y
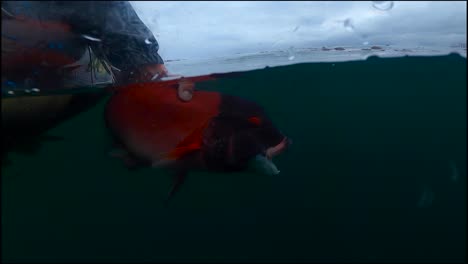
264, 165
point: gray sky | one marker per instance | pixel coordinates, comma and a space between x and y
199, 29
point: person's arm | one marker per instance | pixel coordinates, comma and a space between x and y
128, 43
125, 40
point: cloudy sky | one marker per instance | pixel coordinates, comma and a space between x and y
197, 29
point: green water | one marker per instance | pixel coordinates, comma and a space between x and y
377, 172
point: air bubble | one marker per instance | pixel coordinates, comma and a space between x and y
36, 90
10, 92
382, 5
365, 43
148, 41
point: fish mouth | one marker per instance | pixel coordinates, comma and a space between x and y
278, 149
263, 162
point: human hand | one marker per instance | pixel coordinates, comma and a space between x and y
185, 90
151, 72
155, 72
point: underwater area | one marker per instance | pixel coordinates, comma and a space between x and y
371, 94
376, 172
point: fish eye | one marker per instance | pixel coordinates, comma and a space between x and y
255, 120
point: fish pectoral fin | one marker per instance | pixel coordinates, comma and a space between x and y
181, 151
176, 154
179, 179
189, 144
162, 163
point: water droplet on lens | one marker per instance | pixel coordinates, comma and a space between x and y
382, 5
348, 24
291, 55
147, 41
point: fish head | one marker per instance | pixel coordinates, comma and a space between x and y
242, 136
269, 142
272, 141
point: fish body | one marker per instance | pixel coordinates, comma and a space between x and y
212, 131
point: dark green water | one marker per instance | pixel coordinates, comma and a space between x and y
377, 172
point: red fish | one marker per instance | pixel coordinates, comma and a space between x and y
213, 131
